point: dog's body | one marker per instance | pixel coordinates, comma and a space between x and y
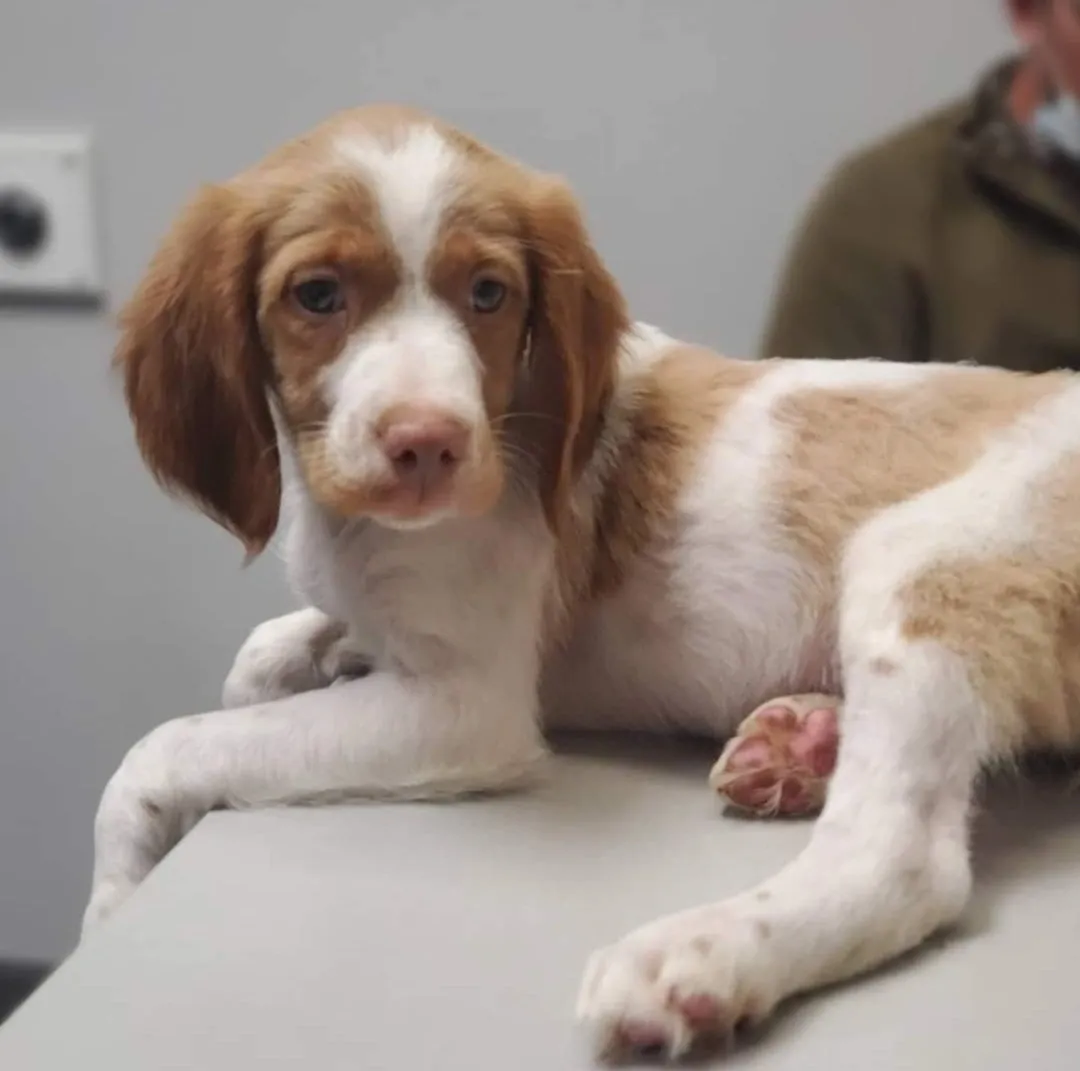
677, 538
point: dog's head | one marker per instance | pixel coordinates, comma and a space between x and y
422, 313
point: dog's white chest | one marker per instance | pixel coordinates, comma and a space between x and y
700, 634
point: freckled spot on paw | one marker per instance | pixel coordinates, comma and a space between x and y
651, 966
150, 807
762, 895
883, 667
701, 945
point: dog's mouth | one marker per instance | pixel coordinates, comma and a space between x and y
470, 492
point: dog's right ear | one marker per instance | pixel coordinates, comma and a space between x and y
196, 372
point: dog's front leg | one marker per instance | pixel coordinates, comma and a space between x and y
384, 735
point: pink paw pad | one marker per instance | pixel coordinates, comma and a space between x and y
700, 1010
703, 1019
781, 757
640, 1037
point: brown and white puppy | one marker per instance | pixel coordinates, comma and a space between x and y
515, 508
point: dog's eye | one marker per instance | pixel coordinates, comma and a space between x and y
321, 295
487, 294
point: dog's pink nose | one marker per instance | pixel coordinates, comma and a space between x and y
424, 446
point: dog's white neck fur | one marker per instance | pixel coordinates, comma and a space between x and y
349, 568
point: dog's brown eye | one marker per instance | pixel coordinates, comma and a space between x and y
321, 295
487, 295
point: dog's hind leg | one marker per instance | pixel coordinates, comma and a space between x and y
887, 865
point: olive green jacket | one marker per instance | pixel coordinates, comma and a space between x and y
955, 239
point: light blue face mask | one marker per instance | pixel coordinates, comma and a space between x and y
1057, 123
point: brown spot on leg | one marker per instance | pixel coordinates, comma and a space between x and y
883, 667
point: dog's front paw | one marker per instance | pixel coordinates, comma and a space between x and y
299, 652
139, 818
697, 977
105, 898
781, 757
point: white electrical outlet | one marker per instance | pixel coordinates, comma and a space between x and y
48, 244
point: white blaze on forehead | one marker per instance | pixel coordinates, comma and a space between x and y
415, 350
413, 180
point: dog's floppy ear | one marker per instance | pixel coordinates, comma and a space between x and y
577, 318
195, 370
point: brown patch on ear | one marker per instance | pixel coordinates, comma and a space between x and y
577, 318
195, 371
676, 405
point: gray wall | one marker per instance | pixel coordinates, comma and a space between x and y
694, 131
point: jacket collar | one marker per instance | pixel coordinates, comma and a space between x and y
1001, 153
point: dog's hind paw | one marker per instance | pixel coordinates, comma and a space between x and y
781, 757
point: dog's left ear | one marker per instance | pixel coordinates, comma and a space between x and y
578, 316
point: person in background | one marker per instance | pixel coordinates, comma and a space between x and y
957, 238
